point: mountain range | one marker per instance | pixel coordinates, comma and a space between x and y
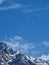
10, 57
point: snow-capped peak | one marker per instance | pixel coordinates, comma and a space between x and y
10, 57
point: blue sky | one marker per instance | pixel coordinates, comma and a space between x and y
28, 19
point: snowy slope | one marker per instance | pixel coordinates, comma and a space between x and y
10, 57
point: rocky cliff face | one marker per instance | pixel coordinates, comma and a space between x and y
10, 57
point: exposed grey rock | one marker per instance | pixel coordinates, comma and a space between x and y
10, 57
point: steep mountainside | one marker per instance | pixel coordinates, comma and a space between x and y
10, 57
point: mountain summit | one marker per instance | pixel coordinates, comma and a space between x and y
10, 57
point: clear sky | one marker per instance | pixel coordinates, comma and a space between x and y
28, 19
